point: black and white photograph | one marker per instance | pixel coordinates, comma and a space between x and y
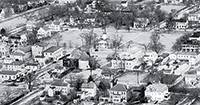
99, 52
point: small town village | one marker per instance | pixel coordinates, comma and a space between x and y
99, 52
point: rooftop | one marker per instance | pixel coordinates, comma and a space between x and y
119, 87
195, 34
58, 82
26, 49
7, 72
88, 85
52, 49
158, 87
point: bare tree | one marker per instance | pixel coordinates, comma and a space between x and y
29, 78
116, 41
89, 39
155, 44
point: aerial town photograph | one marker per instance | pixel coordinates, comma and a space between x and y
99, 52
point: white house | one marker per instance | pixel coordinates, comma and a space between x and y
118, 93
181, 24
102, 44
173, 1
8, 75
14, 66
54, 52
195, 36
107, 74
191, 79
191, 57
40, 60
4, 50
88, 90
65, 1
38, 48
31, 25
140, 23
60, 86
124, 3
157, 92
22, 53
43, 32
31, 66
55, 26
150, 56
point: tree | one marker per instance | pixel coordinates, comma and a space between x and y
78, 84
89, 38
116, 41
181, 40
3, 32
58, 38
29, 78
155, 44
102, 86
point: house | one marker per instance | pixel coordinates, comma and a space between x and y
46, 78
189, 47
4, 50
8, 75
190, 57
140, 23
195, 36
4, 12
102, 44
191, 78
43, 32
40, 59
28, 38
15, 39
153, 56
38, 48
107, 74
22, 53
55, 26
88, 90
157, 92
31, 25
14, 66
31, 66
180, 23
118, 93
193, 19
83, 57
124, 4
54, 52
173, 1
60, 86
64, 1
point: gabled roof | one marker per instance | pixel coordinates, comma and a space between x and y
26, 49
42, 44
17, 63
89, 85
58, 82
52, 49
8, 72
18, 54
158, 87
45, 28
56, 23
195, 34
119, 87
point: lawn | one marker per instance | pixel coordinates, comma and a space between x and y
131, 78
168, 8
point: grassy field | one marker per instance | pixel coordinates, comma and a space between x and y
168, 8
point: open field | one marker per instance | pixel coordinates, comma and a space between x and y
134, 35
168, 8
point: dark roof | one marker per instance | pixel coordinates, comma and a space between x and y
52, 49
107, 72
26, 49
15, 37
17, 63
40, 56
179, 20
8, 72
195, 34
88, 85
119, 87
113, 56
